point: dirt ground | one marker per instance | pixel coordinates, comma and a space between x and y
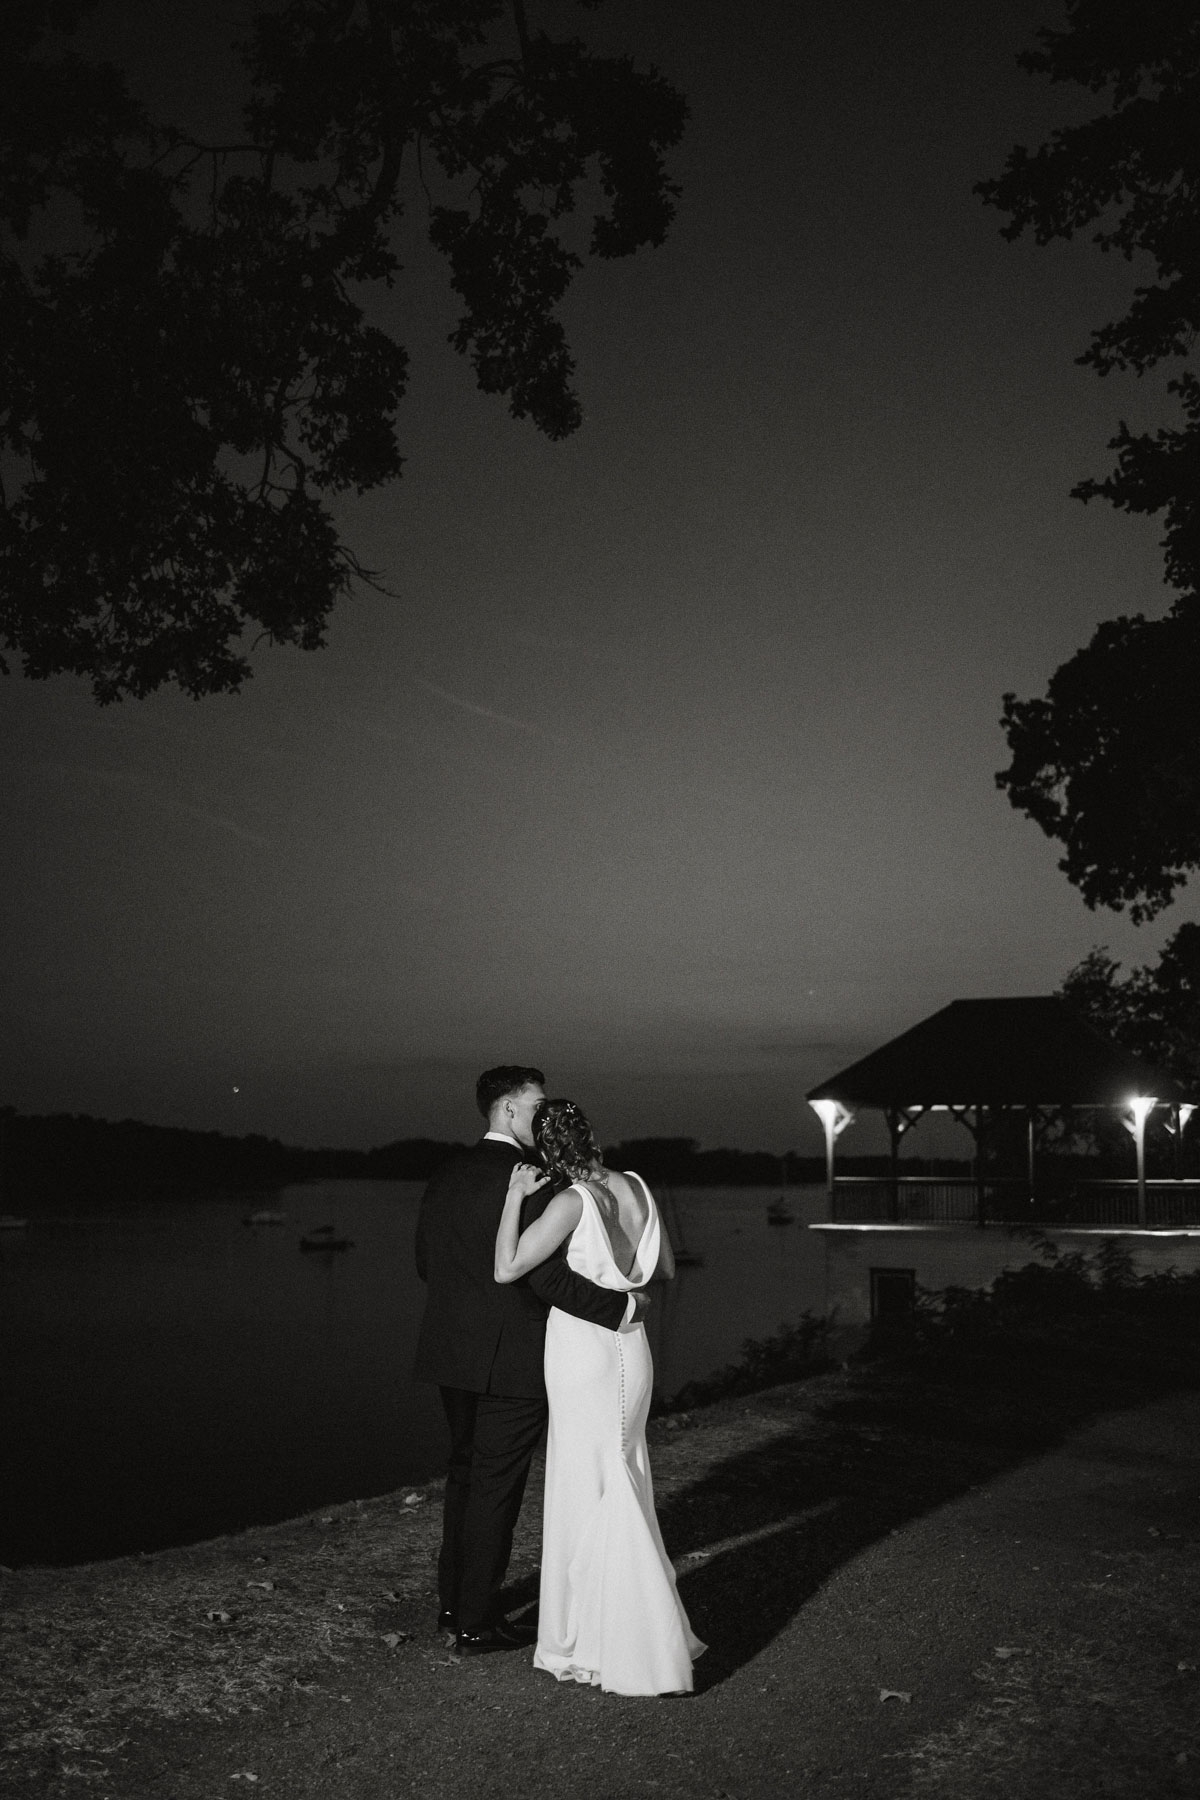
906, 1591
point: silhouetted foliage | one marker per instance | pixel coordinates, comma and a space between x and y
1069, 1315
1153, 1010
1108, 762
188, 374
792, 1353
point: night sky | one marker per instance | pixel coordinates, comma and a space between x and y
671, 766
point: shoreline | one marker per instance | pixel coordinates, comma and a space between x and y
176, 1670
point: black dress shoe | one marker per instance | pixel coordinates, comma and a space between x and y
447, 1620
501, 1636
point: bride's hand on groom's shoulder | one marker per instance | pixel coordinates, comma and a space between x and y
524, 1178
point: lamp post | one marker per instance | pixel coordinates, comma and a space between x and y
834, 1118
1181, 1111
1140, 1108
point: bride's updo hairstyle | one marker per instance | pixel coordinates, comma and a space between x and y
564, 1139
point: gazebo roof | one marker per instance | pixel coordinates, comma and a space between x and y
1025, 1052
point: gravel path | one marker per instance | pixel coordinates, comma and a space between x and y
893, 1609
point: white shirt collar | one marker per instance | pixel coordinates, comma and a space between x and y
500, 1137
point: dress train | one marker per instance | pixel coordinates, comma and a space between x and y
609, 1611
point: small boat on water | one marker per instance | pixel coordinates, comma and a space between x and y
321, 1237
780, 1213
265, 1217
9, 1222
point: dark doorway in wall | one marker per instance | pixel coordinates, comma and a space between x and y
893, 1295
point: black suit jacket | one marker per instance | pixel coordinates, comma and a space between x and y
478, 1333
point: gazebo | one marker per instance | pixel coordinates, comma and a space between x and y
981, 1061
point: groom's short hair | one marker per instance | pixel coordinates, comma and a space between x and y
508, 1078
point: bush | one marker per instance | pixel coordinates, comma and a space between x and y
1074, 1316
793, 1352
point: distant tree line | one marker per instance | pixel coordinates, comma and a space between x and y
680, 1162
73, 1159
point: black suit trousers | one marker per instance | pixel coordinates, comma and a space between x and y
492, 1441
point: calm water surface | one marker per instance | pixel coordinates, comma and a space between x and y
169, 1375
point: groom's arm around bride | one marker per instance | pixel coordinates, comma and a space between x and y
483, 1345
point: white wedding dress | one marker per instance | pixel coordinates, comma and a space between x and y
609, 1613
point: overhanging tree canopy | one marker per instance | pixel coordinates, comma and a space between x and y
1107, 762
188, 376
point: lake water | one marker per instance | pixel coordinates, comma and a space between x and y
167, 1375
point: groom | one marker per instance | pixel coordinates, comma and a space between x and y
483, 1345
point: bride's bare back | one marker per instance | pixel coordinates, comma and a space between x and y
624, 1210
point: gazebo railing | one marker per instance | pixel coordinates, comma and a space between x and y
912, 1200
1006, 1200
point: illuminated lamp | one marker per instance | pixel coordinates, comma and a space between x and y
834, 1118
1140, 1108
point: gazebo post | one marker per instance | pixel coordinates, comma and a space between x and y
895, 1133
828, 1120
834, 1119
899, 1120
962, 1116
1140, 1108
1181, 1112
985, 1062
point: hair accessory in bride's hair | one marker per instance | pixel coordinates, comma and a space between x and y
563, 1135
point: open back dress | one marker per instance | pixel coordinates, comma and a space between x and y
609, 1612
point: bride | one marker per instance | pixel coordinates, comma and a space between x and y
609, 1614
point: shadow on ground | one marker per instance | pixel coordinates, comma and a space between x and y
857, 1457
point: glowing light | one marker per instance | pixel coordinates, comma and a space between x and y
1140, 1107
833, 1115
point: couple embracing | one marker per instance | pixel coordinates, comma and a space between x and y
537, 1278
